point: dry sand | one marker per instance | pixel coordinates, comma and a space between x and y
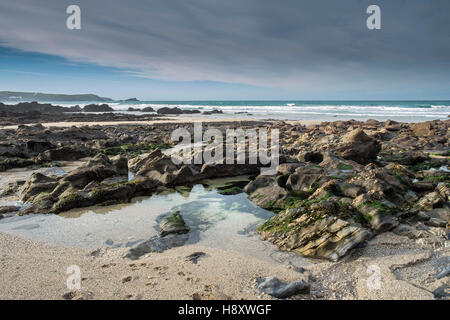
33, 270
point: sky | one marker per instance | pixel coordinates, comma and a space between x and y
234, 49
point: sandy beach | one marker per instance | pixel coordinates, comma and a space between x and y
34, 270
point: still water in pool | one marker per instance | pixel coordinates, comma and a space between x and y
221, 221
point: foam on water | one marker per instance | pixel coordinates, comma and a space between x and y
411, 111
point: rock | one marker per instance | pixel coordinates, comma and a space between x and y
214, 111
148, 109
173, 233
430, 201
443, 190
311, 156
442, 267
288, 168
9, 209
439, 213
173, 224
278, 289
195, 256
78, 295
97, 169
409, 231
36, 184
314, 232
167, 110
97, 108
435, 222
414, 157
305, 178
264, 191
34, 147
422, 129
443, 291
358, 146
422, 186
65, 153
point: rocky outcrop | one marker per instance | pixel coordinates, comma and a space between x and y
314, 231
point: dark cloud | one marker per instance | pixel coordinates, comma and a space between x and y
287, 43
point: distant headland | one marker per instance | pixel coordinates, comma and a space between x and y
11, 96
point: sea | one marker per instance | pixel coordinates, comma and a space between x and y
406, 111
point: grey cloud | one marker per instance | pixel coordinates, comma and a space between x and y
287, 43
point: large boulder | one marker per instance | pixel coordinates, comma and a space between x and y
358, 146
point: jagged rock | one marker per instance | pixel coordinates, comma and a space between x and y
278, 289
444, 191
305, 178
358, 146
316, 233
378, 213
264, 191
36, 184
97, 169
430, 201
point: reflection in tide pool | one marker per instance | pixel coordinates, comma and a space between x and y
215, 220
